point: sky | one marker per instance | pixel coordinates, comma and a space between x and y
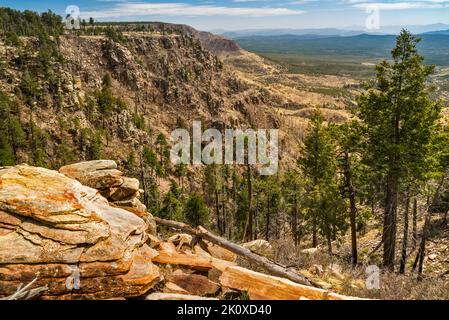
212, 15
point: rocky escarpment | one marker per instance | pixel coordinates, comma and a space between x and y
156, 79
218, 45
162, 74
68, 236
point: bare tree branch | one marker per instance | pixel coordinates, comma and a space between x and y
25, 293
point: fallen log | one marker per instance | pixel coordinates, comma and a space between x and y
263, 262
260, 286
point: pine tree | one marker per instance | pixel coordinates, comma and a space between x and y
30, 88
6, 153
270, 189
130, 164
153, 197
150, 159
64, 155
105, 98
195, 210
293, 189
326, 210
172, 205
163, 152
399, 121
95, 147
12, 39
12, 136
180, 171
348, 157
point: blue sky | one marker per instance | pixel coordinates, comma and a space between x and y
249, 14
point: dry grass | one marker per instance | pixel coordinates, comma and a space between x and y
351, 281
403, 287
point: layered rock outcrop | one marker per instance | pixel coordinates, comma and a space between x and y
69, 236
120, 191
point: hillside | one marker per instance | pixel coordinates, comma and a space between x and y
155, 80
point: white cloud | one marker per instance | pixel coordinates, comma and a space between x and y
302, 1
186, 10
431, 4
251, 1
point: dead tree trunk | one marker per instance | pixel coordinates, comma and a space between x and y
248, 232
314, 233
419, 261
267, 220
389, 229
265, 263
234, 200
217, 210
415, 222
352, 207
256, 218
444, 223
329, 243
405, 236
295, 221
142, 177
224, 216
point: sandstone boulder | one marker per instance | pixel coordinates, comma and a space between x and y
131, 203
129, 187
180, 239
310, 251
221, 253
194, 283
122, 192
69, 235
103, 179
79, 170
170, 287
260, 247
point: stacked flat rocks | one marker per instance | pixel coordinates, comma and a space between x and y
69, 237
120, 191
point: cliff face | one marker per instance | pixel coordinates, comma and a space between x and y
215, 44
156, 80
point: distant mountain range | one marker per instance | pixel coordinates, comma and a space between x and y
440, 32
344, 32
434, 45
298, 32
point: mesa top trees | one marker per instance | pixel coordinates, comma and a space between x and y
400, 122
